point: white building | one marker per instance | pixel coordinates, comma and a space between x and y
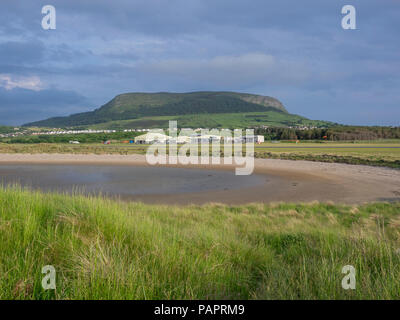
183, 139
152, 137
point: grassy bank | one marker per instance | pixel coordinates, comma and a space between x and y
376, 159
104, 249
66, 148
383, 153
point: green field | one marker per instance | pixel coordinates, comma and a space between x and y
383, 153
6, 129
66, 148
104, 249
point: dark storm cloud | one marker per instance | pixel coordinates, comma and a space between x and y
294, 50
19, 105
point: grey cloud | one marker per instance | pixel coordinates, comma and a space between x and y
19, 106
21, 52
230, 71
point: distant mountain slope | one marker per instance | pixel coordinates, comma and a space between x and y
193, 109
138, 105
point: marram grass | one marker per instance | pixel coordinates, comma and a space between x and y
105, 249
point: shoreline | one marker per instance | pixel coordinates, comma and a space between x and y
286, 180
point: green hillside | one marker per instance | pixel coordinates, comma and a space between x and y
218, 120
6, 129
147, 110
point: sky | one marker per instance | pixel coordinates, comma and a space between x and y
295, 51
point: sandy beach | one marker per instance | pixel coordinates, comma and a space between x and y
285, 180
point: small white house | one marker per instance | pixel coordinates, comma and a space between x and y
259, 139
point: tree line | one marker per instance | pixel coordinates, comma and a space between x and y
65, 138
338, 133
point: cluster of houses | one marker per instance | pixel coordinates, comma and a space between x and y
58, 132
16, 133
152, 137
149, 136
136, 130
302, 127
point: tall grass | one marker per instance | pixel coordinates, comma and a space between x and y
105, 249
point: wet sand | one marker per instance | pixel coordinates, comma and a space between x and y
123, 181
285, 180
